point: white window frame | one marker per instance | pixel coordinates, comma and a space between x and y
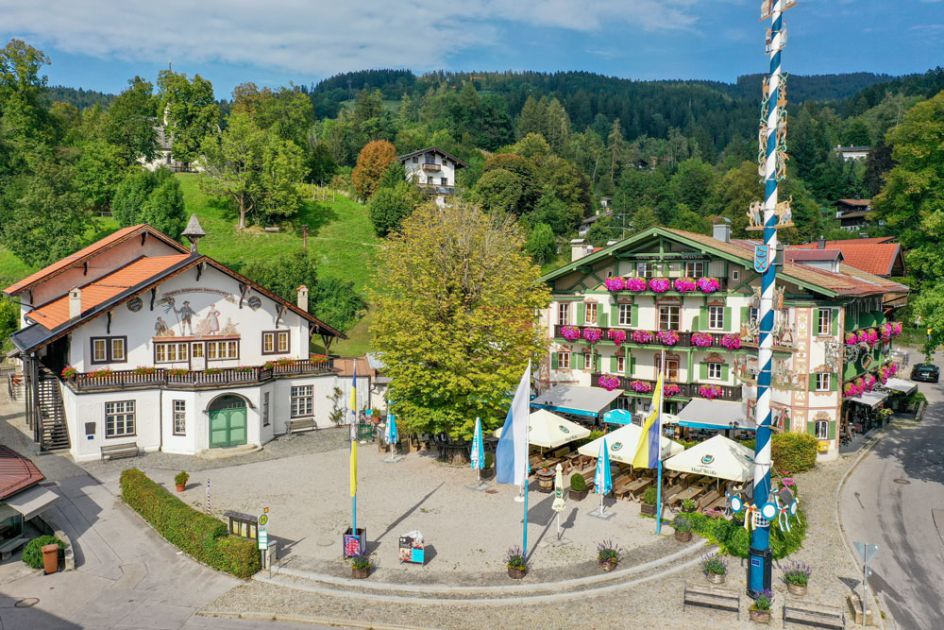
171, 352
715, 318
223, 350
302, 401
591, 311
588, 361
563, 313
180, 417
821, 428
100, 344
823, 381
714, 371
668, 309
820, 312
695, 268
563, 360
625, 317
120, 414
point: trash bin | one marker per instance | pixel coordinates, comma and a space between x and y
50, 558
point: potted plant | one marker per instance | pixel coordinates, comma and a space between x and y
578, 487
796, 577
648, 502
760, 609
68, 372
715, 568
180, 480
516, 563
609, 555
360, 566
683, 529
689, 505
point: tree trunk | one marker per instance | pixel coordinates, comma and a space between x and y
242, 213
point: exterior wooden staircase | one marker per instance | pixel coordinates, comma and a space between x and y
54, 432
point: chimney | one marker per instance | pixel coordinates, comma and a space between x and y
721, 231
821, 243
578, 249
302, 300
75, 303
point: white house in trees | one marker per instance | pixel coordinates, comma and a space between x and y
433, 170
139, 341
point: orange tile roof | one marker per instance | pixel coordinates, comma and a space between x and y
17, 473
65, 263
874, 255
55, 313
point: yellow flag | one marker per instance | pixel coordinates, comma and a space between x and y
353, 468
647, 455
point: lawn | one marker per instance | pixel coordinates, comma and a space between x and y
340, 237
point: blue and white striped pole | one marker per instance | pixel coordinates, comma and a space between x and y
759, 565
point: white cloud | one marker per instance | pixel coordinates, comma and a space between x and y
312, 37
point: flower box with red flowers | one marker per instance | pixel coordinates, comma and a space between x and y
616, 335
570, 333
702, 340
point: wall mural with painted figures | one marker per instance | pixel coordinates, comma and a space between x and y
194, 313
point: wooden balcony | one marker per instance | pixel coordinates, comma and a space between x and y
687, 390
685, 338
431, 167
184, 379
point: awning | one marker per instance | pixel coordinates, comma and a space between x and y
618, 416
900, 385
871, 399
548, 430
714, 415
716, 457
34, 501
576, 400
623, 442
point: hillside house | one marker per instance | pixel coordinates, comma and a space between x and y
853, 213
433, 170
138, 340
879, 255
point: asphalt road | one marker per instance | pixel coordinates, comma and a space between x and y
895, 499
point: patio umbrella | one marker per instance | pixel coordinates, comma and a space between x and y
602, 479
618, 416
477, 458
717, 457
549, 430
391, 436
622, 444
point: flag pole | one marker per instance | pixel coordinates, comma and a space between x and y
659, 448
524, 529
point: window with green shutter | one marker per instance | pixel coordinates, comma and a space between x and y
614, 315
581, 313
702, 322
555, 360
745, 315
578, 360
634, 316
725, 372
703, 371
602, 319
728, 320
613, 368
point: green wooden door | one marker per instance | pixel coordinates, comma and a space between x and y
228, 422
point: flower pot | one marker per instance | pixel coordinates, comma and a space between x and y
645, 508
608, 566
760, 616
716, 578
360, 574
181, 487
573, 495
516, 574
683, 536
797, 589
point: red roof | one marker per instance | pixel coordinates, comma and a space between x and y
874, 255
813, 255
17, 473
53, 314
87, 252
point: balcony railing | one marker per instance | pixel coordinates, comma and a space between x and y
651, 337
686, 390
211, 377
431, 167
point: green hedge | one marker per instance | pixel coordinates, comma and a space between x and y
33, 552
734, 540
199, 535
793, 452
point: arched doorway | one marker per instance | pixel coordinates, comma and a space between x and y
227, 421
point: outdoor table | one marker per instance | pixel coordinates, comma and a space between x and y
640, 485
688, 493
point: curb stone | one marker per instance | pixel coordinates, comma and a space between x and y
292, 618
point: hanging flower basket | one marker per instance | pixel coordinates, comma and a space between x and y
609, 383
659, 285
862, 336
68, 372
641, 336
570, 333
851, 339
667, 337
671, 389
615, 284
871, 336
684, 285
641, 387
868, 381
616, 335
592, 335
886, 332
636, 285
896, 328
702, 340
710, 391
730, 342
708, 285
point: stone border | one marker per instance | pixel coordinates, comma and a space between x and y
291, 618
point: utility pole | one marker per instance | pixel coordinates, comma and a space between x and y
772, 130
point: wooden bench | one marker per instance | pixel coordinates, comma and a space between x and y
302, 424
710, 597
814, 615
117, 451
9, 548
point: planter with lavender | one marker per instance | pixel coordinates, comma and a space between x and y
797, 577
715, 568
609, 555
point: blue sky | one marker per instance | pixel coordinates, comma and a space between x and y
100, 44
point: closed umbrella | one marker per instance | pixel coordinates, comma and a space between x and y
477, 457
602, 479
558, 505
618, 416
391, 436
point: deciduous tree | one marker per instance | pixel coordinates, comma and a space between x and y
130, 121
190, 110
372, 161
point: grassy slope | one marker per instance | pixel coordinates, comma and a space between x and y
340, 237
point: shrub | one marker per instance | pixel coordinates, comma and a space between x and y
514, 559
735, 541
578, 483
360, 562
200, 536
793, 452
713, 564
608, 551
650, 496
33, 552
181, 478
682, 524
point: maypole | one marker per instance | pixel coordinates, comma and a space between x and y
773, 129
